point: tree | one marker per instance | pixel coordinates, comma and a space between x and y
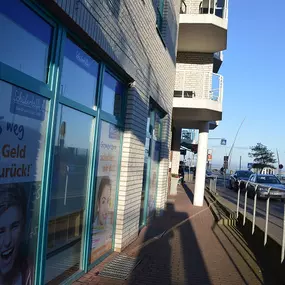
262, 157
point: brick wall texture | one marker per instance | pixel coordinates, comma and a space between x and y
194, 73
126, 31
193, 6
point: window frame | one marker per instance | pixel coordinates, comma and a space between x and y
159, 15
51, 91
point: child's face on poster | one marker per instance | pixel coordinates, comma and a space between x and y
11, 231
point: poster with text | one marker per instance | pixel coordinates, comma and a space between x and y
102, 229
22, 140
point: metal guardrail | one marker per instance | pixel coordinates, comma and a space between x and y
199, 85
269, 190
214, 7
211, 183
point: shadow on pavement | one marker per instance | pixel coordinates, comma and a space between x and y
174, 257
189, 193
268, 257
252, 259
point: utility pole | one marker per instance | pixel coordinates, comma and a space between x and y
240, 163
230, 154
279, 170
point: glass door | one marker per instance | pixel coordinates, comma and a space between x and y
145, 173
151, 166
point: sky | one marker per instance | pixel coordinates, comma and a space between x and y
254, 80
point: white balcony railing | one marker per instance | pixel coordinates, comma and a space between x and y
199, 85
218, 8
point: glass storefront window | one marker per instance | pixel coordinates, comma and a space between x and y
26, 39
145, 171
104, 209
68, 193
23, 123
79, 75
112, 95
154, 156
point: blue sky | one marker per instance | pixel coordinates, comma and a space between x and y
254, 79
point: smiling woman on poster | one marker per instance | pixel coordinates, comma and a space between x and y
14, 268
103, 202
102, 226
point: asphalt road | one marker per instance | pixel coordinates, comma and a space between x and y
275, 226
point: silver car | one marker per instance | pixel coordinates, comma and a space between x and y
262, 183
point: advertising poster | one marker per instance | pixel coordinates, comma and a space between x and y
22, 139
102, 229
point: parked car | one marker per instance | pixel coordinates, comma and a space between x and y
237, 176
264, 182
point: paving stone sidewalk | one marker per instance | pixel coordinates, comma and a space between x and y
185, 246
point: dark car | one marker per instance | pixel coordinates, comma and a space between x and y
262, 183
237, 177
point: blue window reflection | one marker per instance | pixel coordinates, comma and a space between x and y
26, 38
79, 75
112, 95
68, 193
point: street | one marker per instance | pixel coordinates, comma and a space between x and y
275, 225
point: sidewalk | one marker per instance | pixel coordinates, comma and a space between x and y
185, 246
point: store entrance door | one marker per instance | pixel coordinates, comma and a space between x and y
151, 166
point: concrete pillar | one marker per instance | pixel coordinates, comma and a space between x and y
201, 164
175, 148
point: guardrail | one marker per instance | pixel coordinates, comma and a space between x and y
211, 183
269, 193
199, 85
214, 7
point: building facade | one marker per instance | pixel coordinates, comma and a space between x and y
85, 130
198, 94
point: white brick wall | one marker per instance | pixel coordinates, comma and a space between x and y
126, 31
164, 163
194, 73
193, 6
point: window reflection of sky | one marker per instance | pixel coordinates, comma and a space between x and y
79, 75
112, 93
26, 44
31, 58
78, 128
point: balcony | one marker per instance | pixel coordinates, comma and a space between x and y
198, 96
203, 26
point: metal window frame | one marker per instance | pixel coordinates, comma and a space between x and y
146, 218
51, 91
